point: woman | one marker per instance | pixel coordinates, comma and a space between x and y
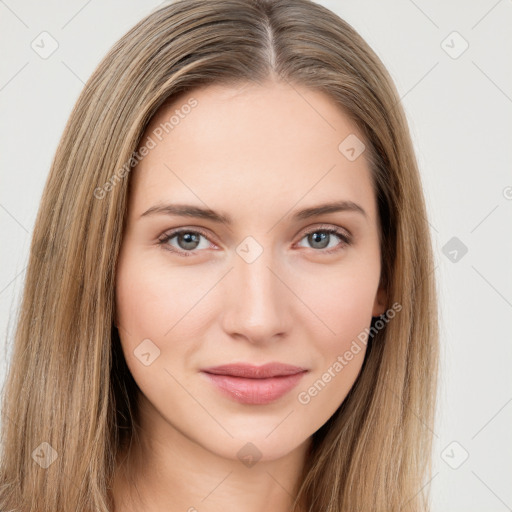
230, 299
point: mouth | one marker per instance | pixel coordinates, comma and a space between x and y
255, 385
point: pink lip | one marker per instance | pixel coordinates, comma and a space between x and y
256, 385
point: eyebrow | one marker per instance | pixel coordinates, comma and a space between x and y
186, 210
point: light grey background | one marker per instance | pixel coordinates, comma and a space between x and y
459, 108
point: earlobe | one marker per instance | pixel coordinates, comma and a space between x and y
379, 305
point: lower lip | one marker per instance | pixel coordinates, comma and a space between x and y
255, 391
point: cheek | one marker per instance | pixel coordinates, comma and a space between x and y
166, 305
346, 313
151, 309
341, 299
344, 306
148, 301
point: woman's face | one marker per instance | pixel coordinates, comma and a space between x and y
265, 284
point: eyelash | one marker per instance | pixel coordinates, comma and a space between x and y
345, 239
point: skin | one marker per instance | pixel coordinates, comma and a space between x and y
257, 153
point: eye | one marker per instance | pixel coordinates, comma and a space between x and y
187, 240
321, 237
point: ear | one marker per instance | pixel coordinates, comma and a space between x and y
380, 303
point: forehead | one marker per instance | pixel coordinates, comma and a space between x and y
250, 146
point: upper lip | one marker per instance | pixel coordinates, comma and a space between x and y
250, 371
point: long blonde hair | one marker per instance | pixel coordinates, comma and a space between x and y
68, 398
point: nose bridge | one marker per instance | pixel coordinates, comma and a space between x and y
256, 307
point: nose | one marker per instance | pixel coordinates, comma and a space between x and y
257, 302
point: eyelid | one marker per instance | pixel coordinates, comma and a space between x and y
185, 229
340, 231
